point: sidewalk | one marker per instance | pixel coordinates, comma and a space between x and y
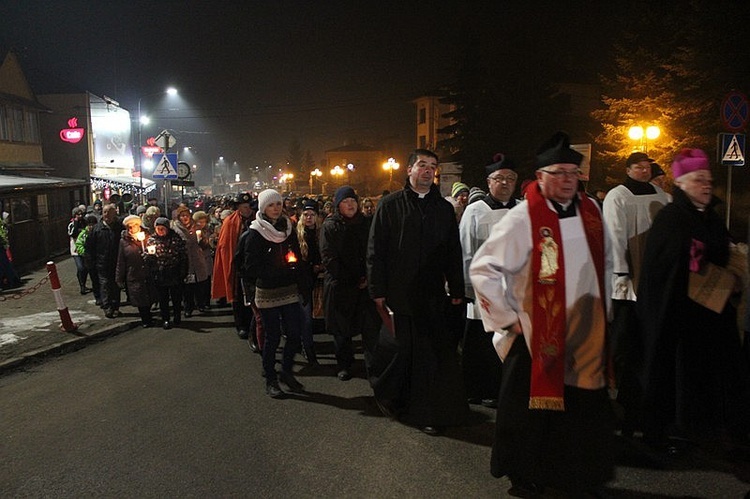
30, 325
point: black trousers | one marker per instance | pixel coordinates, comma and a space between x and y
571, 450
417, 372
110, 291
627, 351
174, 293
479, 362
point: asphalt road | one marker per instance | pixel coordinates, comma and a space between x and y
183, 413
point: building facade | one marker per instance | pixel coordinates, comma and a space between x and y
35, 202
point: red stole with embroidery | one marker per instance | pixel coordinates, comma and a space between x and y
548, 315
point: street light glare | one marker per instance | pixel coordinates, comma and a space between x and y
652, 132
635, 133
171, 91
145, 120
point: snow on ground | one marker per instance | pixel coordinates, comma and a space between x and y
37, 322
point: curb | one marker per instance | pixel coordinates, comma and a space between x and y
69, 345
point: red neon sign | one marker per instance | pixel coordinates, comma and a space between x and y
73, 134
151, 149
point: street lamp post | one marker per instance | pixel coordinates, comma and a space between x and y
285, 179
144, 120
337, 171
389, 166
637, 133
314, 173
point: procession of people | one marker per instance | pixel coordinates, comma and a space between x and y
582, 320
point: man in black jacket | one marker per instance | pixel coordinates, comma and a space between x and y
102, 247
413, 251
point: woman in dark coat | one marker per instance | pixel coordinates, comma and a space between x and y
311, 266
349, 310
131, 269
693, 374
167, 260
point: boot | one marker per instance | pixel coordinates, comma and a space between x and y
84, 289
309, 354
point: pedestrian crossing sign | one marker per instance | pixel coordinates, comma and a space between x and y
732, 151
166, 167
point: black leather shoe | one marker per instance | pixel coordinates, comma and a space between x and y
253, 343
344, 375
386, 408
242, 334
291, 382
188, 313
274, 390
167, 325
433, 431
522, 488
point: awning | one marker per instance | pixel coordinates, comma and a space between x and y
17, 183
125, 183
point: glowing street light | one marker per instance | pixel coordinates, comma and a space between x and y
637, 133
314, 173
285, 179
337, 171
389, 166
144, 120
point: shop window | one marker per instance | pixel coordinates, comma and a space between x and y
42, 209
20, 210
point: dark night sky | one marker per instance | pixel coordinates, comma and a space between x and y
254, 75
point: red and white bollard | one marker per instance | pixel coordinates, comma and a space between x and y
54, 280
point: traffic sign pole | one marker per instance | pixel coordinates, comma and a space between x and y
729, 194
731, 153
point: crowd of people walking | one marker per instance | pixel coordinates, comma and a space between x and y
579, 318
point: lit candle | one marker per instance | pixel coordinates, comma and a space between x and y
291, 257
198, 234
141, 237
151, 249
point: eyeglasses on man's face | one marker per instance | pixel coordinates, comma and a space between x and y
563, 173
503, 178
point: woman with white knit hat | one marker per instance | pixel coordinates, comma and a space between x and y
268, 269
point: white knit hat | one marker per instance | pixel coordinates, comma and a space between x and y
269, 196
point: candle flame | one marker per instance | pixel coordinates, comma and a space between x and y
291, 257
140, 236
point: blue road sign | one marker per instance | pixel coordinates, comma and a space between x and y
732, 152
166, 166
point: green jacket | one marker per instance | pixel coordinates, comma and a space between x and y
81, 241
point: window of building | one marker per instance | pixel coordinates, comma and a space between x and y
422, 116
422, 141
19, 125
16, 124
20, 209
31, 120
42, 209
4, 124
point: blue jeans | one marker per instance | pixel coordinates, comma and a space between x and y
277, 321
